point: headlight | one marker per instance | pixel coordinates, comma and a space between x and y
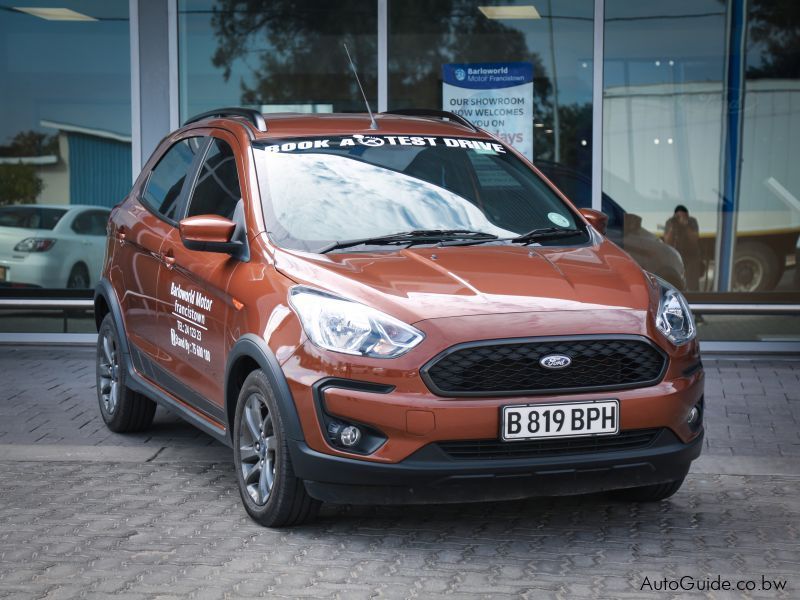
340, 325
674, 318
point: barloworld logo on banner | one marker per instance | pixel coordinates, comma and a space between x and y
488, 75
497, 97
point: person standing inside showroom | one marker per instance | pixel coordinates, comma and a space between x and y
682, 233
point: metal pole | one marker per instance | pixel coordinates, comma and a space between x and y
136, 113
732, 145
597, 105
383, 56
556, 120
172, 44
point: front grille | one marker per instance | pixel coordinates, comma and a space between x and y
495, 449
507, 368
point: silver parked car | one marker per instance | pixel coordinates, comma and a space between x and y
52, 246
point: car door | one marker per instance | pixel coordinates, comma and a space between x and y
140, 231
194, 304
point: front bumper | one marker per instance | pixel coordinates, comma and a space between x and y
411, 466
431, 476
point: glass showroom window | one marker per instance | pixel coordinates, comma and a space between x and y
669, 115
662, 129
276, 55
477, 58
65, 148
768, 220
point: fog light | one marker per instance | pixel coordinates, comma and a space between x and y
693, 415
361, 439
349, 435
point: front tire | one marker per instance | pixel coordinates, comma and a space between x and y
271, 493
123, 410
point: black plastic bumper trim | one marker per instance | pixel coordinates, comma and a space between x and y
323, 414
429, 475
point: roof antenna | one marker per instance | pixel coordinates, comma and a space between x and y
373, 124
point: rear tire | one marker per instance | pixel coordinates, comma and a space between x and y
78, 278
271, 493
122, 409
755, 267
650, 493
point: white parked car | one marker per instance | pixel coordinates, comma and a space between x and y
52, 246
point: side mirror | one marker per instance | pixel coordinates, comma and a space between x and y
597, 219
209, 233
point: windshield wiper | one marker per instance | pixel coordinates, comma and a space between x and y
544, 233
417, 236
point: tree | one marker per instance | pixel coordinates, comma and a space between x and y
19, 184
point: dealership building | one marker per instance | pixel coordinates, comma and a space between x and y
634, 108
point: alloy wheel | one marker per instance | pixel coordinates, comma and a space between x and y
108, 368
257, 449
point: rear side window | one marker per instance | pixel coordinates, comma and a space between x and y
167, 178
217, 190
91, 222
29, 217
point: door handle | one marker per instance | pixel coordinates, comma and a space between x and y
169, 259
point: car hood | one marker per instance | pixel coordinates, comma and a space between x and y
427, 283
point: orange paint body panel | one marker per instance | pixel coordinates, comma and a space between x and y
194, 319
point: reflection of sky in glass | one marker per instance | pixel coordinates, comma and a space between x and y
69, 72
324, 197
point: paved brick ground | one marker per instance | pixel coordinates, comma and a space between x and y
47, 396
163, 519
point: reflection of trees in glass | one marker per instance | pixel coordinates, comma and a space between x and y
576, 128
19, 184
774, 26
297, 48
31, 143
294, 47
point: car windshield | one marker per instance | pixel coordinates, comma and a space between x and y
318, 191
30, 217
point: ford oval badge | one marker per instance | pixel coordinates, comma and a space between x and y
555, 361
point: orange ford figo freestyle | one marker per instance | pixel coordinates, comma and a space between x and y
405, 313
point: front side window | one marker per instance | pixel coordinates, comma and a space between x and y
166, 181
321, 190
217, 189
